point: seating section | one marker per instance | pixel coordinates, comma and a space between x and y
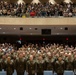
66, 72
37, 10
15, 73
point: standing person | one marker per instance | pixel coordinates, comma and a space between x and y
9, 66
50, 63
3, 62
69, 62
74, 64
0, 64
20, 65
40, 65
59, 66
31, 66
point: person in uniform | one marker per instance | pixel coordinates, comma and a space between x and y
59, 66
69, 62
31, 66
9, 66
74, 64
40, 65
50, 62
0, 60
20, 65
25, 57
3, 62
0, 64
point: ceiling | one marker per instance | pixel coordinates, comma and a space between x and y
36, 30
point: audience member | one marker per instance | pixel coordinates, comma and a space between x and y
36, 58
37, 10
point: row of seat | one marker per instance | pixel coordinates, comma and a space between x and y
45, 73
65, 73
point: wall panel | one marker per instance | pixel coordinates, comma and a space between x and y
37, 21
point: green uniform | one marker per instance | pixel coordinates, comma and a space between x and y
74, 64
3, 64
69, 65
20, 66
31, 67
0, 65
9, 67
59, 67
40, 67
50, 66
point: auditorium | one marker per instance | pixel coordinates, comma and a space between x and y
37, 37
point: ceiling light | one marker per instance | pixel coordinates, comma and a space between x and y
57, 33
30, 28
61, 28
0, 28
3, 32
14, 28
30, 33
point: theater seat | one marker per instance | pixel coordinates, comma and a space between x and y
55, 73
48, 72
66, 72
25, 73
15, 73
2, 72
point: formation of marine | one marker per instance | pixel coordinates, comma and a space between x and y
35, 59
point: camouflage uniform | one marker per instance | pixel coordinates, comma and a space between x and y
74, 64
20, 66
59, 67
9, 67
40, 67
69, 64
50, 65
3, 64
0, 64
31, 67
